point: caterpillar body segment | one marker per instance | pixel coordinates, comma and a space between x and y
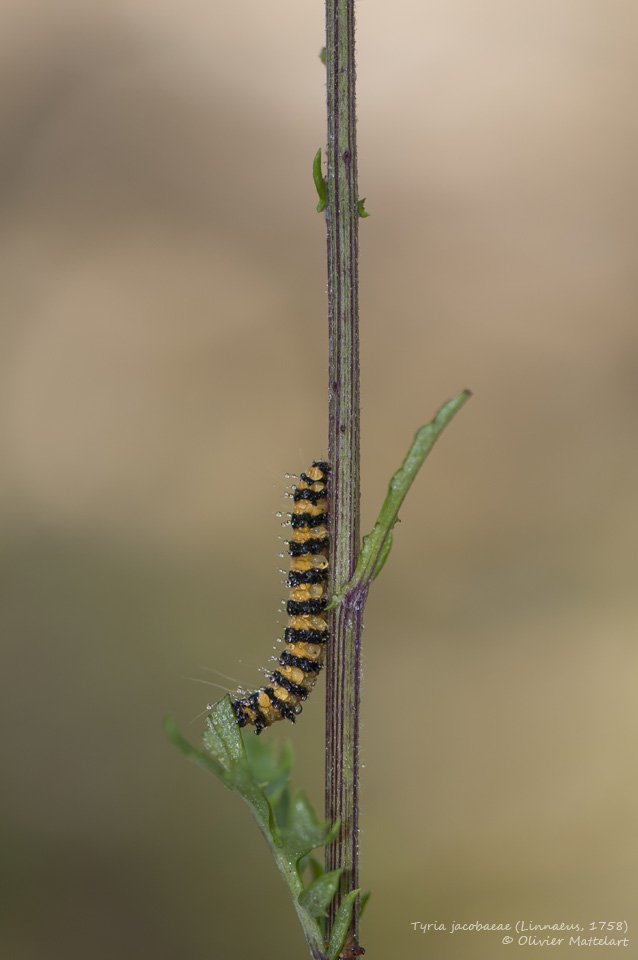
306, 633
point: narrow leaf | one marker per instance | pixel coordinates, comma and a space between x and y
320, 181
371, 557
383, 556
363, 902
342, 924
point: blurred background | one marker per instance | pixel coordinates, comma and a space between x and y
163, 366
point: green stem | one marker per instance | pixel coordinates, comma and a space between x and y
291, 878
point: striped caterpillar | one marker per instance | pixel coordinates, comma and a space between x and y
307, 631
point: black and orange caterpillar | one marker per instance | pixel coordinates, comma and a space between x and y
307, 631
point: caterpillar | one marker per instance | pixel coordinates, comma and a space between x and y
307, 633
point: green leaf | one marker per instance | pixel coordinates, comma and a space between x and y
374, 549
316, 898
303, 831
364, 902
383, 556
320, 181
342, 924
222, 737
282, 809
270, 765
200, 757
259, 774
361, 209
314, 865
224, 740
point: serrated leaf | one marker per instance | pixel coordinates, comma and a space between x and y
270, 765
316, 898
282, 809
225, 756
303, 831
200, 757
342, 924
316, 868
222, 737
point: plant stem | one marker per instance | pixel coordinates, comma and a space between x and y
343, 661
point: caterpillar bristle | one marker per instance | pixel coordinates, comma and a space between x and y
306, 634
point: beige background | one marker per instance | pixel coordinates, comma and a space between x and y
163, 366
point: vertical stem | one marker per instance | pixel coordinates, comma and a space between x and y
343, 667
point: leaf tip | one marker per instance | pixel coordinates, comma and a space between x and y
320, 181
